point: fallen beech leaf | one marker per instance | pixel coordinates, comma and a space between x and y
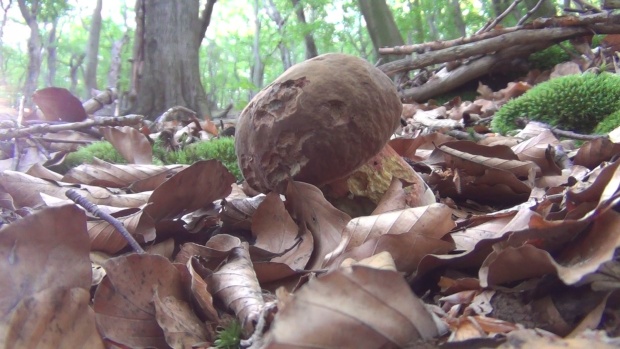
215, 251
123, 302
394, 198
58, 103
540, 150
52, 318
105, 238
236, 285
592, 153
419, 148
130, 143
475, 159
352, 308
238, 213
407, 235
46, 278
318, 216
181, 326
534, 338
105, 174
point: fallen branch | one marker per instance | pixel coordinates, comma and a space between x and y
126, 120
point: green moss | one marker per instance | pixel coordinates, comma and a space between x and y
101, 150
608, 124
222, 149
573, 102
548, 58
229, 337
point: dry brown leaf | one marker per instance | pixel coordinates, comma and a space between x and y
105, 238
199, 289
130, 143
38, 171
592, 153
394, 199
419, 148
45, 280
26, 190
532, 338
105, 174
213, 253
52, 318
540, 150
123, 302
318, 216
181, 326
235, 283
408, 235
58, 103
237, 213
352, 308
475, 159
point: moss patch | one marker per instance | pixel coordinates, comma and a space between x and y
573, 102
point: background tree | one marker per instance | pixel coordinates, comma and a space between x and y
381, 25
171, 38
30, 12
92, 50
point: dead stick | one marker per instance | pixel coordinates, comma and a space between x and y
45, 128
499, 18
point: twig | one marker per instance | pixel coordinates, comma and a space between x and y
499, 18
577, 136
92, 208
45, 128
530, 12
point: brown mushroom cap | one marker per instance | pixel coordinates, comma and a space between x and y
317, 122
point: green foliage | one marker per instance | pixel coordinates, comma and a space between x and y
229, 336
222, 149
574, 102
548, 58
101, 150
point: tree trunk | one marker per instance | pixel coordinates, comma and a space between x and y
418, 23
311, 50
274, 14
52, 57
381, 26
74, 67
5, 11
116, 56
170, 74
258, 68
459, 22
547, 9
34, 49
92, 51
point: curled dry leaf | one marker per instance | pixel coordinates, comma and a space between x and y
592, 153
540, 150
123, 302
105, 174
236, 285
352, 308
46, 278
277, 233
238, 213
419, 148
130, 143
317, 216
215, 251
476, 159
408, 235
582, 256
199, 289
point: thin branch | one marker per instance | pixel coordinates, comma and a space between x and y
499, 18
531, 12
92, 208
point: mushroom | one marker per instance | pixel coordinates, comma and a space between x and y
317, 123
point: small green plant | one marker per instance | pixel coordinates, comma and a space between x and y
549, 57
574, 102
101, 150
229, 337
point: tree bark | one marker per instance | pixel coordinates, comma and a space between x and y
311, 50
547, 9
92, 51
34, 49
459, 22
52, 57
5, 11
381, 25
274, 14
167, 75
258, 68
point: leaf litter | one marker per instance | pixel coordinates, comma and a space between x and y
519, 246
